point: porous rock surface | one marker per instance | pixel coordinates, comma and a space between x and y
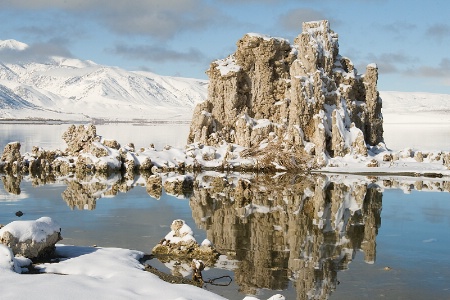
31, 239
304, 102
11, 157
180, 245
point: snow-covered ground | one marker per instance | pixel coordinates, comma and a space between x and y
415, 108
93, 273
85, 272
416, 120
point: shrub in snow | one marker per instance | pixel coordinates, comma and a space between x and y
31, 238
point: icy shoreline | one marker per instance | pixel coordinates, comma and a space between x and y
88, 152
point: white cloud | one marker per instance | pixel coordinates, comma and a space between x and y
158, 53
157, 18
39, 52
292, 20
391, 62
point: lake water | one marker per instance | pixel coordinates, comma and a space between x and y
338, 237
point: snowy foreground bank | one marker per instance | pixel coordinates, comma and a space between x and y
86, 273
92, 273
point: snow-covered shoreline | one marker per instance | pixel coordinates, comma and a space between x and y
95, 272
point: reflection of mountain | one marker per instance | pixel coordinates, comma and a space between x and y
301, 228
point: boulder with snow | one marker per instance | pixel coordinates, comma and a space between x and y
31, 239
304, 99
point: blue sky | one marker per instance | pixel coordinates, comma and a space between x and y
409, 40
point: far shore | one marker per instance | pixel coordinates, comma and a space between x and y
91, 121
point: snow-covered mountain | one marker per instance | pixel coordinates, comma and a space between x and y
12, 45
71, 89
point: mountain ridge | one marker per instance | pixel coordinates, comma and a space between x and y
70, 89
85, 90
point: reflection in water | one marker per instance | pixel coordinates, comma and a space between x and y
303, 229
281, 229
11, 184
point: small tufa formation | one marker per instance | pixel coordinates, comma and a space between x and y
180, 244
305, 99
79, 138
11, 158
31, 239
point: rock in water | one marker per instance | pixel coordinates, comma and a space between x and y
301, 103
11, 158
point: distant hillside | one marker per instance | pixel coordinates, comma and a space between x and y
71, 89
415, 108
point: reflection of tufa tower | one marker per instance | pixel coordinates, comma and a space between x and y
303, 229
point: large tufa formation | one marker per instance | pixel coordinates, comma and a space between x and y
302, 99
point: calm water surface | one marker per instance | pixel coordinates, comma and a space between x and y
300, 237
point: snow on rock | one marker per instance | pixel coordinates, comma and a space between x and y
274, 297
36, 231
180, 232
380, 160
206, 242
7, 260
31, 238
227, 65
280, 100
89, 152
180, 244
